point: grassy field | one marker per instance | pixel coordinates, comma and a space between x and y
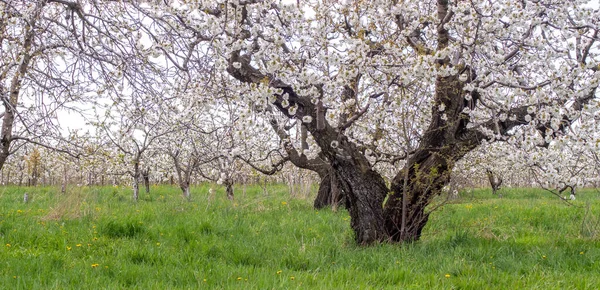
99, 238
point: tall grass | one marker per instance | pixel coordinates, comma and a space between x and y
99, 238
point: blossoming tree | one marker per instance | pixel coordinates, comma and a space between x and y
471, 72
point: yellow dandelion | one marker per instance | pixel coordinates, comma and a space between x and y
292, 278
447, 275
239, 278
68, 248
8, 245
78, 245
283, 203
204, 280
95, 265
543, 257
581, 253
158, 244
279, 272
19, 211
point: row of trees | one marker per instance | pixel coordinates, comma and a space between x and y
382, 99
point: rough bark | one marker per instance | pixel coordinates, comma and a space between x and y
329, 193
365, 192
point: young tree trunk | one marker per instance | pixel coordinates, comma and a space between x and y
136, 189
185, 187
63, 187
136, 181
21, 178
229, 189
146, 177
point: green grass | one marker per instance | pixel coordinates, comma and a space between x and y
99, 238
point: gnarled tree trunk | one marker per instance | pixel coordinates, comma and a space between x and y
365, 191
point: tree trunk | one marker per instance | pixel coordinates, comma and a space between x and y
428, 173
146, 176
229, 189
136, 181
186, 191
329, 193
365, 191
495, 181
185, 188
136, 189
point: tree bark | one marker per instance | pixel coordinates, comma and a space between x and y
136, 181
136, 190
495, 181
146, 177
10, 104
329, 193
185, 188
365, 192
229, 189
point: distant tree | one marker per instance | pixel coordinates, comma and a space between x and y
34, 165
495, 180
131, 124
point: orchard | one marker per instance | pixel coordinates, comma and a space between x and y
384, 104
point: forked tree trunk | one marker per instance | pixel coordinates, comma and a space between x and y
495, 181
406, 209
